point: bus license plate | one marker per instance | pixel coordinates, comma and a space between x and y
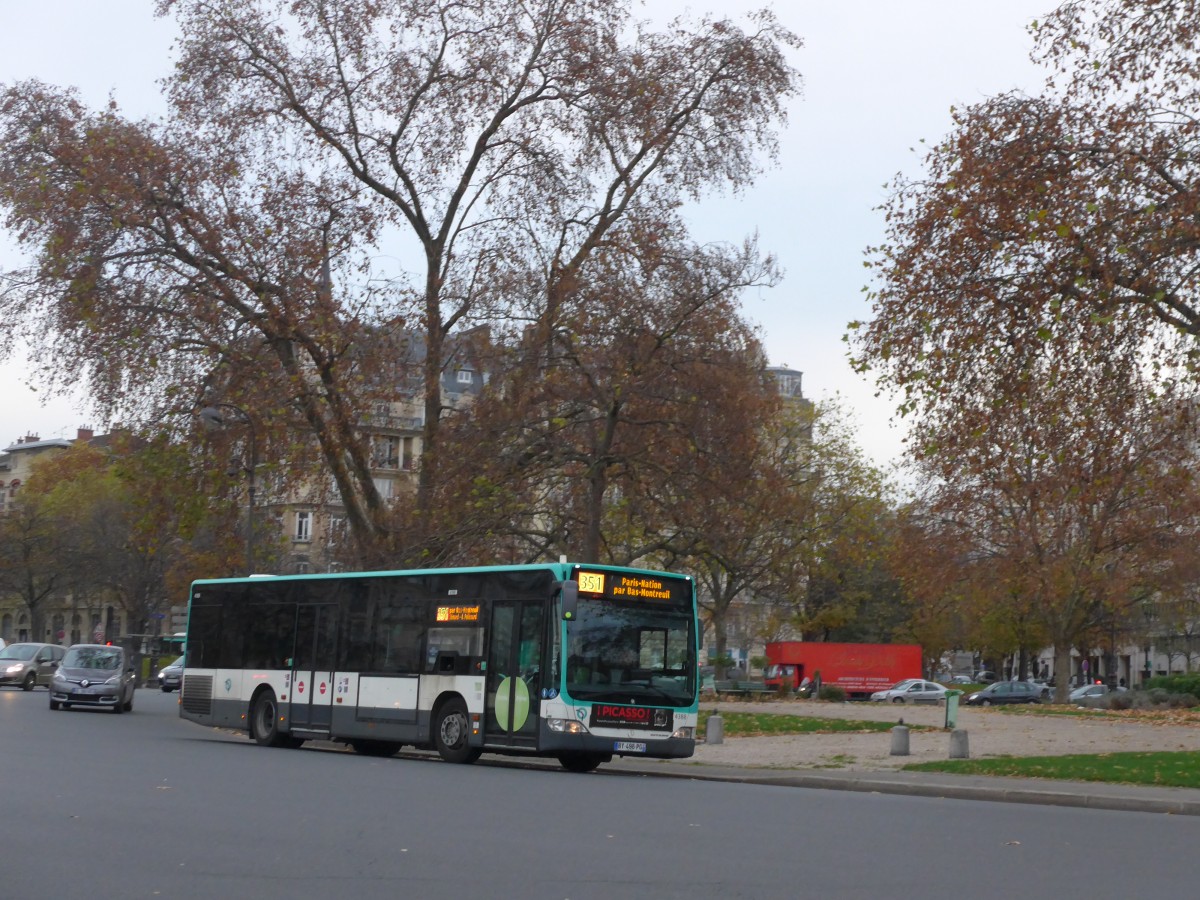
629, 747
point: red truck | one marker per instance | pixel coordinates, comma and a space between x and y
858, 669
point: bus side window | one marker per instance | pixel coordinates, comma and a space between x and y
399, 634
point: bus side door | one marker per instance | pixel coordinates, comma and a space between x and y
514, 678
313, 665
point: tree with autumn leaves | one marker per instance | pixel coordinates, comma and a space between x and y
129, 524
500, 152
1036, 308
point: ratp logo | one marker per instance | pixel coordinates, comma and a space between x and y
580, 713
228, 685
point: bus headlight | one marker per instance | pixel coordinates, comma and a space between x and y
566, 726
685, 732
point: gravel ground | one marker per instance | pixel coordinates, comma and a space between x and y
990, 732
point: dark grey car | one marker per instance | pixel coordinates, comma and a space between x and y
94, 675
171, 677
28, 665
1004, 692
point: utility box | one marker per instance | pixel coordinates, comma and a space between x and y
952, 708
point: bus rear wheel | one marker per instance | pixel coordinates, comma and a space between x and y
451, 732
582, 762
264, 722
376, 748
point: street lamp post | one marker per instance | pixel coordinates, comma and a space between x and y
212, 417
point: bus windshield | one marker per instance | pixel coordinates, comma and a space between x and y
627, 653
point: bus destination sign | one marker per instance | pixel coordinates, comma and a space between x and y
623, 586
458, 613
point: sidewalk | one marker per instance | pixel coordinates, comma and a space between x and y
862, 762
1090, 795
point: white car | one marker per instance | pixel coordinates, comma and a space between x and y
911, 690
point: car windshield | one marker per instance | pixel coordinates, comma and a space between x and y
899, 685
178, 664
92, 658
18, 651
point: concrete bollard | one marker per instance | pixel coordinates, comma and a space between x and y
900, 740
959, 748
714, 730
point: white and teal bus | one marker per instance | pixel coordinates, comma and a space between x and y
577, 662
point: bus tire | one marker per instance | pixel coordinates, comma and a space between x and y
452, 731
582, 762
264, 721
376, 748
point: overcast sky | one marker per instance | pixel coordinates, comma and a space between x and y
879, 76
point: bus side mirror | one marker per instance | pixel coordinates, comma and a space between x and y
569, 594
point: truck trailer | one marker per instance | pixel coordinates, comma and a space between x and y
858, 669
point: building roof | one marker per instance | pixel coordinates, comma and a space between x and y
36, 444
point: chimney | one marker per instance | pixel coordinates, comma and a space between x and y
84, 433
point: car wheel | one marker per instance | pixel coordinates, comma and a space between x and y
166, 690
897, 699
54, 704
129, 704
451, 732
30, 682
66, 706
985, 703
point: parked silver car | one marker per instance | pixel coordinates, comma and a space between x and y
170, 678
94, 675
911, 690
1092, 692
29, 665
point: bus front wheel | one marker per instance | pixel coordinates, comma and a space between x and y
582, 762
376, 748
451, 732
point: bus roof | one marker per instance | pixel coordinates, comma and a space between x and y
560, 569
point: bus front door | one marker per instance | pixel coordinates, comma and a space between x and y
312, 667
514, 673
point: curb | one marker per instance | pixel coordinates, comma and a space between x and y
1086, 795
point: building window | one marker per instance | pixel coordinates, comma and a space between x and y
304, 526
385, 487
385, 452
302, 567
464, 376
337, 531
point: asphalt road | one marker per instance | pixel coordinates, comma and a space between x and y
147, 805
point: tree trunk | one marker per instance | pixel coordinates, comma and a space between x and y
1062, 672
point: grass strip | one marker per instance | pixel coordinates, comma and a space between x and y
1175, 769
746, 724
